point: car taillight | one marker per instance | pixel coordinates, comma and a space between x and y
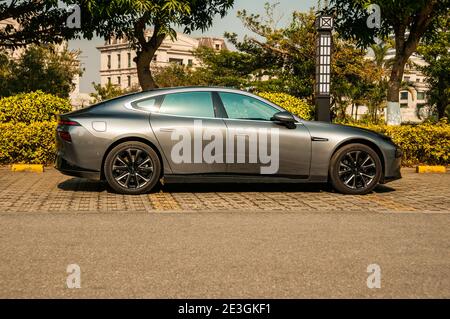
68, 123
65, 136
63, 126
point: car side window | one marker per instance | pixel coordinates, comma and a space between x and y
149, 104
196, 104
244, 107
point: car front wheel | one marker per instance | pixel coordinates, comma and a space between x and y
132, 168
355, 169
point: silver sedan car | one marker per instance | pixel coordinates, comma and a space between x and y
198, 134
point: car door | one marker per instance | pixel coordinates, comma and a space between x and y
261, 146
189, 134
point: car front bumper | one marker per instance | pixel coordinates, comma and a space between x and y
393, 166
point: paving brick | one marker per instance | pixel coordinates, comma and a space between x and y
53, 192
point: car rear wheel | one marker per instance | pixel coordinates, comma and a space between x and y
355, 169
132, 168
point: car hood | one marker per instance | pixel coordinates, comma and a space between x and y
319, 127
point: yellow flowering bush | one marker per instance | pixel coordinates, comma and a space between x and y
27, 135
290, 103
425, 143
32, 143
27, 127
32, 107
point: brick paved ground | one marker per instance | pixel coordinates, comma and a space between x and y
53, 192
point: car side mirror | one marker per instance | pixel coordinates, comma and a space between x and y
284, 118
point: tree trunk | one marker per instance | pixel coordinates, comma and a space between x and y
146, 52
143, 59
393, 116
403, 50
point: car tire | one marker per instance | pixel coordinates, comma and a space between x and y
132, 168
355, 169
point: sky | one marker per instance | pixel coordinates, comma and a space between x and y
90, 56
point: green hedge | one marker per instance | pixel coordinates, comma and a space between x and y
27, 143
32, 107
29, 134
426, 143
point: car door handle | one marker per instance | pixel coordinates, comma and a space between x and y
319, 139
166, 129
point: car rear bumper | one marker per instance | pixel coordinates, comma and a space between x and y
67, 168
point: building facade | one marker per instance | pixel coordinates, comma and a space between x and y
413, 98
118, 67
413, 101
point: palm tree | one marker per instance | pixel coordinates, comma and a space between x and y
380, 52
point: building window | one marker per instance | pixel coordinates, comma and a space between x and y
403, 105
109, 80
404, 95
217, 46
109, 62
129, 60
129, 81
421, 95
119, 61
119, 80
190, 63
406, 79
154, 57
176, 61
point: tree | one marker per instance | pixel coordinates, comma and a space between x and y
5, 73
179, 75
353, 76
37, 21
283, 60
48, 68
226, 68
283, 57
130, 19
436, 52
408, 21
109, 91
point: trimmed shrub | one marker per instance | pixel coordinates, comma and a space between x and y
32, 143
425, 143
32, 107
290, 103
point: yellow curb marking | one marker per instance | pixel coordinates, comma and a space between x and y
37, 168
430, 169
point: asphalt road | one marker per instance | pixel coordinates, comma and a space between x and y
219, 254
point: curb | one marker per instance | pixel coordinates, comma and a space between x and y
36, 168
430, 169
